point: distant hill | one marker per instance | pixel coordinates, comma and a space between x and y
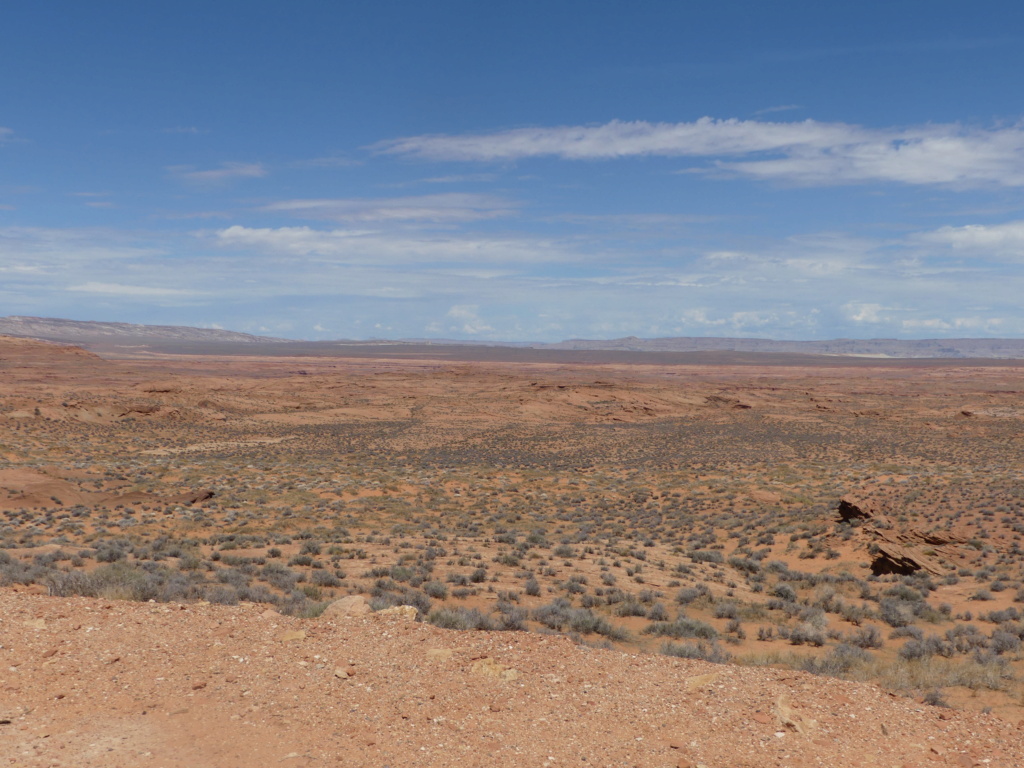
896, 348
196, 340
86, 332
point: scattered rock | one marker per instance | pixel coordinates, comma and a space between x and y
488, 667
291, 635
788, 717
191, 497
403, 612
721, 401
856, 509
700, 681
892, 558
352, 605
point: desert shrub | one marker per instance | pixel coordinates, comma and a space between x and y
512, 617
279, 576
725, 611
401, 573
926, 648
966, 638
865, 637
630, 607
657, 612
704, 652
574, 587
381, 599
735, 627
895, 613
705, 556
935, 699
256, 594
688, 595
459, 618
785, 592
310, 547
222, 596
119, 581
745, 564
554, 615
806, 634
322, 578
838, 662
683, 626
532, 587
436, 590
74, 583
1004, 642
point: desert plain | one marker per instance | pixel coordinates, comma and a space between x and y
441, 556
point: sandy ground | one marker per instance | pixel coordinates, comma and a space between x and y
94, 683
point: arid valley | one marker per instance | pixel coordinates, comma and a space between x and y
444, 557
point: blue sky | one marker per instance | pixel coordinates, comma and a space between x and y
529, 171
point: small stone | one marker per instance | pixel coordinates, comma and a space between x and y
291, 635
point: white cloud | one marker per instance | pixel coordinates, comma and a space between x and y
973, 325
452, 207
806, 152
226, 172
468, 318
6, 134
997, 238
860, 312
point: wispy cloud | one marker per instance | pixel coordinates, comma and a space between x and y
806, 152
331, 161
226, 172
780, 108
131, 291
452, 207
705, 137
6, 134
388, 248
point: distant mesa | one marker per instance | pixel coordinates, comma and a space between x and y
190, 339
55, 329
